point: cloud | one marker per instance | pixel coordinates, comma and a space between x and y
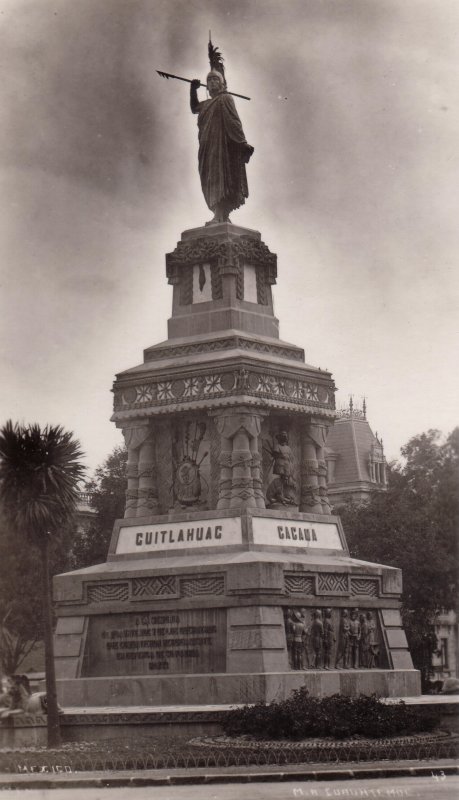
353, 183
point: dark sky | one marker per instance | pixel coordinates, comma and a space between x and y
354, 183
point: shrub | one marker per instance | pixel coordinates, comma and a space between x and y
301, 716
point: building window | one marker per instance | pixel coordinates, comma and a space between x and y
444, 653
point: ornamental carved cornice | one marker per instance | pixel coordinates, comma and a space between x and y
236, 383
226, 343
231, 252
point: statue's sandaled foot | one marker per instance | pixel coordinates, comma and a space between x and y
221, 213
216, 221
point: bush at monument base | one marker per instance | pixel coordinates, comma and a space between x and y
302, 716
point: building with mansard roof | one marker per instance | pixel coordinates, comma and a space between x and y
355, 458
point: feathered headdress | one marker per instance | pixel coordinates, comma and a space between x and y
216, 60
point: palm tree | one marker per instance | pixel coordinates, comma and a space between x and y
39, 472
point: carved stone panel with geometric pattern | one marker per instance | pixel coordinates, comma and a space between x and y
365, 587
108, 592
333, 583
208, 585
156, 586
299, 583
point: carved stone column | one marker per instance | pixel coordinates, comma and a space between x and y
132, 482
310, 500
240, 478
314, 469
323, 487
321, 432
147, 502
226, 465
257, 478
140, 470
229, 274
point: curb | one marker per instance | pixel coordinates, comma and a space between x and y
99, 780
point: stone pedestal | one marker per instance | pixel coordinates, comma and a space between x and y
228, 580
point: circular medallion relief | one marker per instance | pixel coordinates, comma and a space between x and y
178, 387
130, 395
227, 381
187, 473
322, 394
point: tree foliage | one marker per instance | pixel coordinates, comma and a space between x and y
413, 526
108, 494
21, 623
21, 609
39, 474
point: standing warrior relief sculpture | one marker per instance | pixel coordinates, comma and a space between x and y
344, 645
282, 489
311, 644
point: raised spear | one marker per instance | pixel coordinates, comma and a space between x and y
187, 80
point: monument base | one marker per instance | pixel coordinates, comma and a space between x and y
263, 604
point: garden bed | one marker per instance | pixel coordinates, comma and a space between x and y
150, 752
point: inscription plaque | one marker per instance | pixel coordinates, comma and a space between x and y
191, 536
296, 533
153, 642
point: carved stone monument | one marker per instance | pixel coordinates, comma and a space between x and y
228, 580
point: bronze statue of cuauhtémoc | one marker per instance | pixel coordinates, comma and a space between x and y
223, 148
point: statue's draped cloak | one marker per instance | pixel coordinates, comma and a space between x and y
221, 156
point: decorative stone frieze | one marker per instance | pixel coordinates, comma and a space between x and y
108, 592
223, 343
197, 587
299, 584
333, 584
366, 587
211, 249
156, 586
333, 638
270, 385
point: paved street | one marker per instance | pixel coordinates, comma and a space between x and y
415, 788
